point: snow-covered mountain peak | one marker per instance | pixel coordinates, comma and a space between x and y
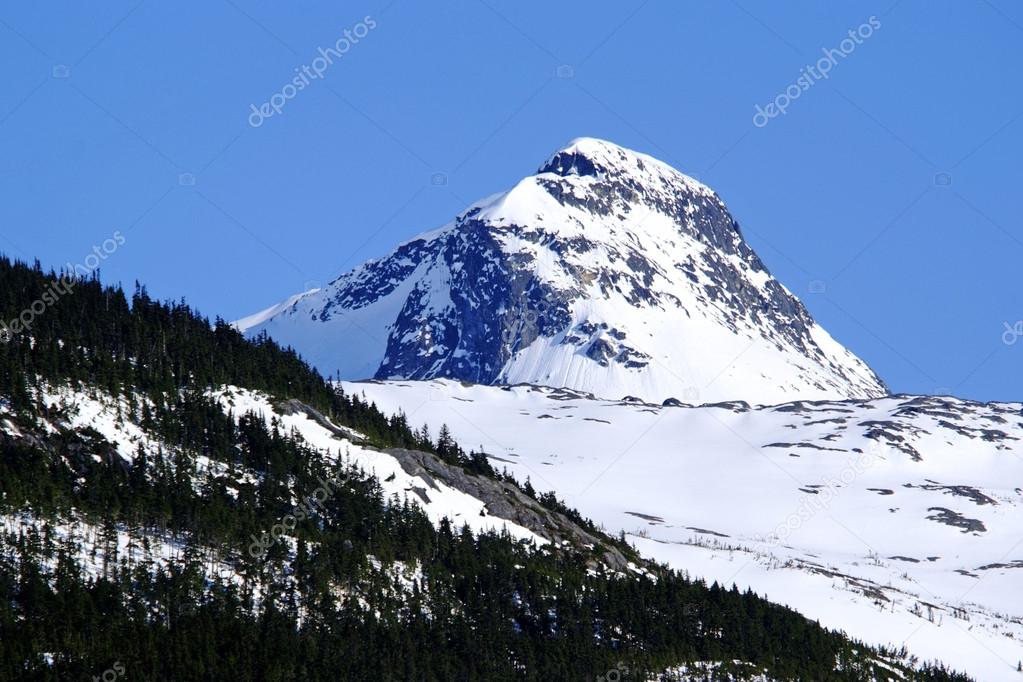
589, 156
607, 271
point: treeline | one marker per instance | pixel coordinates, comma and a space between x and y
97, 337
481, 607
325, 602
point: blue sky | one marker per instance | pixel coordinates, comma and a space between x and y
886, 196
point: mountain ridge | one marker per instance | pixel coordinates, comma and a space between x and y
607, 271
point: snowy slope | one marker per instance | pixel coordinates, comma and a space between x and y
607, 272
441, 501
897, 519
264, 315
99, 412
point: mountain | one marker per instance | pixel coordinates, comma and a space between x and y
205, 507
896, 519
607, 272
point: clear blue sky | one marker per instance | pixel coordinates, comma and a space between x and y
107, 107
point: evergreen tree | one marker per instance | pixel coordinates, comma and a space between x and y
166, 585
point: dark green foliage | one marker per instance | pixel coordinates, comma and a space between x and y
484, 607
96, 337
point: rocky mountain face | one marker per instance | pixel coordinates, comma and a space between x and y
607, 272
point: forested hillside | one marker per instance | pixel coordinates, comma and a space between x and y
149, 562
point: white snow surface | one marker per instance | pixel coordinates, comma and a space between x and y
96, 410
897, 519
642, 285
263, 315
99, 554
99, 411
443, 500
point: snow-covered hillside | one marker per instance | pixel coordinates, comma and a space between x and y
97, 411
897, 519
607, 271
